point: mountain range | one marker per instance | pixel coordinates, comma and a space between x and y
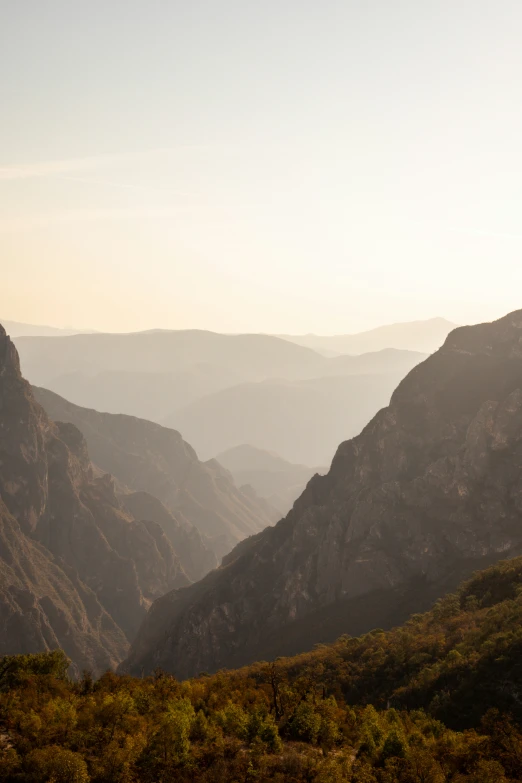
208, 514
428, 492
197, 382
84, 553
302, 421
424, 336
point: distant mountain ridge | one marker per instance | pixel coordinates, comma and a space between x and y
424, 336
301, 420
17, 329
154, 374
429, 491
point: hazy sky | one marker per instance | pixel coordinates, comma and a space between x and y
259, 165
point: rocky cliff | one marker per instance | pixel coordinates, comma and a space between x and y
428, 492
147, 457
76, 569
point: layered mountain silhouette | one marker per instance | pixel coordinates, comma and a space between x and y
256, 356
201, 510
428, 492
424, 336
76, 569
154, 375
302, 421
278, 481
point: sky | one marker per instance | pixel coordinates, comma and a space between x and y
292, 166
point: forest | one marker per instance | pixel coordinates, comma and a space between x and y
435, 700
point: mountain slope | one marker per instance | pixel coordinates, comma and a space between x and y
150, 458
429, 491
150, 395
423, 336
278, 481
66, 534
44, 605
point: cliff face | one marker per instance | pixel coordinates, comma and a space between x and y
75, 568
147, 457
428, 492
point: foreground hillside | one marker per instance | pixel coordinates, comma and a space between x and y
434, 701
428, 492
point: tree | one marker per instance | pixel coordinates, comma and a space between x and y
56, 764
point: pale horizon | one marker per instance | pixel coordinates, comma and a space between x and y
277, 168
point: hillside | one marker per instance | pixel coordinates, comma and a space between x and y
427, 493
278, 481
146, 457
433, 701
75, 569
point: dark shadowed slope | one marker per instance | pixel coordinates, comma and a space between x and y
278, 481
147, 457
423, 336
428, 492
76, 569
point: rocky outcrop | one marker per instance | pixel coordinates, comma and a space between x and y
428, 492
76, 569
146, 457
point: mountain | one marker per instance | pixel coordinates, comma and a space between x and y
150, 395
423, 336
278, 481
16, 329
254, 356
302, 421
428, 492
76, 570
146, 457
155, 374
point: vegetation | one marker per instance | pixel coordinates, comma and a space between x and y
433, 701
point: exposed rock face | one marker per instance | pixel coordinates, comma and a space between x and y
146, 457
428, 492
44, 605
75, 568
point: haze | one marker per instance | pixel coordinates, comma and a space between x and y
270, 167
